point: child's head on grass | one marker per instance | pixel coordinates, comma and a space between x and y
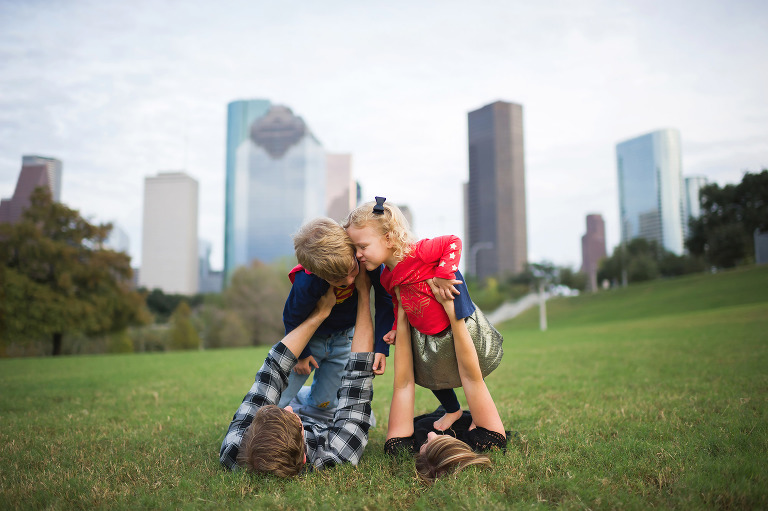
443, 455
274, 443
386, 223
323, 247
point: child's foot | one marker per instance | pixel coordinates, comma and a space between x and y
447, 420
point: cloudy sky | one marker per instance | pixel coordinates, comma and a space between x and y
121, 90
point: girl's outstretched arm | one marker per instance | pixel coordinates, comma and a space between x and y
479, 400
404, 392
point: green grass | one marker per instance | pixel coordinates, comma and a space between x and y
651, 397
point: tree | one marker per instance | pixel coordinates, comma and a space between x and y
645, 260
163, 305
574, 280
183, 333
257, 294
57, 278
723, 234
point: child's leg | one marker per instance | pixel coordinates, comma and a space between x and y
450, 402
296, 381
327, 379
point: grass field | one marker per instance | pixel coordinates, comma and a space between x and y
651, 397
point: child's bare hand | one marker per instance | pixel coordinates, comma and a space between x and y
445, 287
390, 336
326, 303
379, 363
304, 365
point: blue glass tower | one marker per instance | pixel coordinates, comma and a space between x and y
651, 189
275, 181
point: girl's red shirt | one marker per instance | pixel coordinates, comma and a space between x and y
428, 258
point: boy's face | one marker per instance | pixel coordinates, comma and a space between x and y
350, 278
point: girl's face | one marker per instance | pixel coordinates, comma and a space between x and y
372, 249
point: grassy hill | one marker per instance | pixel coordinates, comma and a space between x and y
652, 299
655, 396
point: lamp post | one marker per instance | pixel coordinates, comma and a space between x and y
542, 277
480, 245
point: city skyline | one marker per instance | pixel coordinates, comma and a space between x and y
149, 92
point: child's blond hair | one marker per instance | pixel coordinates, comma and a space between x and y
446, 455
391, 224
323, 247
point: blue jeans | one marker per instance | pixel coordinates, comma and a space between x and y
331, 352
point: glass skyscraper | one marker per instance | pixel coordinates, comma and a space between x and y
693, 186
276, 179
651, 189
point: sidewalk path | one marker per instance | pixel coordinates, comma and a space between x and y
509, 310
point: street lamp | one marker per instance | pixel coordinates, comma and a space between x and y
480, 245
542, 277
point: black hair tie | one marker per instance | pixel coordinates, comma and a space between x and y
378, 209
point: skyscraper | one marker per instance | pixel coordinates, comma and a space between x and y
650, 189
497, 241
169, 234
118, 239
341, 188
593, 248
693, 186
276, 181
35, 171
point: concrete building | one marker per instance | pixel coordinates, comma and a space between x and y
692, 204
340, 186
276, 181
35, 171
169, 248
497, 242
209, 281
651, 189
593, 249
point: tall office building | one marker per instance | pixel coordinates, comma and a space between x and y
35, 171
341, 188
651, 189
692, 187
118, 239
593, 248
276, 179
169, 234
209, 281
497, 241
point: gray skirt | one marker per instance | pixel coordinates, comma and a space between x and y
434, 357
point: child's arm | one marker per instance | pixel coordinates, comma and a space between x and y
305, 293
297, 339
481, 405
404, 391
